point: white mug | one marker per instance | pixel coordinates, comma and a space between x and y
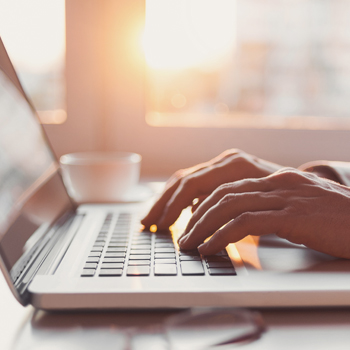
100, 177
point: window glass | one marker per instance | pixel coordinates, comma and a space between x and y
275, 63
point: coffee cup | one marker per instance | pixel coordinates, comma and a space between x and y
100, 177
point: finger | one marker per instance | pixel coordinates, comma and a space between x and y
252, 223
203, 182
157, 209
197, 202
242, 186
173, 183
228, 208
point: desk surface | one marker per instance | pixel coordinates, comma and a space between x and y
26, 328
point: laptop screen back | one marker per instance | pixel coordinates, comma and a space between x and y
32, 193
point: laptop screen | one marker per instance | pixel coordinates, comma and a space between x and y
32, 194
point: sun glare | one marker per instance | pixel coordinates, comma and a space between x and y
182, 34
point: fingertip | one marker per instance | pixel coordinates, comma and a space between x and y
180, 237
180, 241
146, 222
210, 247
203, 248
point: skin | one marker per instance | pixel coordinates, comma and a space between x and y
242, 195
198, 182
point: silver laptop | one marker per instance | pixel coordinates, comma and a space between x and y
57, 255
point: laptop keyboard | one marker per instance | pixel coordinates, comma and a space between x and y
118, 251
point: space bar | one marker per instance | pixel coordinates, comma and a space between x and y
190, 268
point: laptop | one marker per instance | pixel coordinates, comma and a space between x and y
58, 255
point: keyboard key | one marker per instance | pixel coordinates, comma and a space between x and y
121, 233
99, 244
142, 238
94, 254
96, 249
90, 266
115, 255
143, 234
164, 245
219, 264
110, 272
212, 258
164, 255
88, 273
148, 242
164, 240
116, 250
189, 252
112, 265
118, 245
119, 240
113, 260
221, 271
140, 257
138, 271
165, 261
139, 262
165, 270
192, 268
140, 252
164, 250
94, 259
140, 246
189, 258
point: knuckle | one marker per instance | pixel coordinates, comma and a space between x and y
231, 151
228, 198
290, 175
179, 174
223, 189
188, 182
241, 158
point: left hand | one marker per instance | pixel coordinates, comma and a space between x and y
199, 181
300, 207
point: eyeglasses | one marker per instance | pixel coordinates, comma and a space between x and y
206, 329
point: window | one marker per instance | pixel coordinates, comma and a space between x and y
108, 95
248, 63
34, 35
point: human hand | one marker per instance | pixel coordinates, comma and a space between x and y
198, 182
300, 207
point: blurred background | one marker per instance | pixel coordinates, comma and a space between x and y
182, 80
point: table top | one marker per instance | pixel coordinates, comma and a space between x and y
26, 328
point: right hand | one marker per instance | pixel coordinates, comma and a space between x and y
198, 182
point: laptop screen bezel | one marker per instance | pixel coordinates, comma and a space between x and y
66, 204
